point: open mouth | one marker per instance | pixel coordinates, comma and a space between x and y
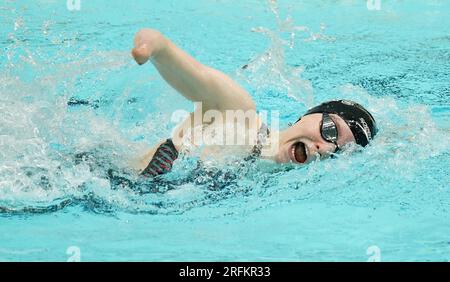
298, 152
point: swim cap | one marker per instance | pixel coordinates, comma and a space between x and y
361, 122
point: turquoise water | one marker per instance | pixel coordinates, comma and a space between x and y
389, 202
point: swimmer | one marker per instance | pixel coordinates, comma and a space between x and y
322, 132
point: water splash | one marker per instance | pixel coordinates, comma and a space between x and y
40, 134
270, 71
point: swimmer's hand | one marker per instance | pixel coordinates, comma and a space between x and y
147, 44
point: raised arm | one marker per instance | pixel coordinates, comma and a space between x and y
196, 82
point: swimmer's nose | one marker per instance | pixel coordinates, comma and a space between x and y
324, 149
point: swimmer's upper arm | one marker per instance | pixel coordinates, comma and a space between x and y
199, 83
224, 93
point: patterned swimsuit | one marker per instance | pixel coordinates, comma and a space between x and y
166, 154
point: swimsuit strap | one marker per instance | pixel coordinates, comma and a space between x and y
262, 136
162, 160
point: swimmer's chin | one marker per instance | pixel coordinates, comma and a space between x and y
286, 155
284, 160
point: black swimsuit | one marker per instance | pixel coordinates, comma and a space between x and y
166, 154
162, 161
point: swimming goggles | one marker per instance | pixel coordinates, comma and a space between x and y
328, 130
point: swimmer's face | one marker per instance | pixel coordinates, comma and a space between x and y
302, 143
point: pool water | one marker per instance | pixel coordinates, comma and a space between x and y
68, 85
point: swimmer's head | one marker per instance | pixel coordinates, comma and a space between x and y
324, 130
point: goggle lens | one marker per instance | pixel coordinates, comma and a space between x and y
328, 130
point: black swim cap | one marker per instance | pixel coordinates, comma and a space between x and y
361, 122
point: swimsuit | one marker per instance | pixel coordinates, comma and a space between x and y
166, 154
162, 160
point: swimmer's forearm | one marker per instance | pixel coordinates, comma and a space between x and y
193, 80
